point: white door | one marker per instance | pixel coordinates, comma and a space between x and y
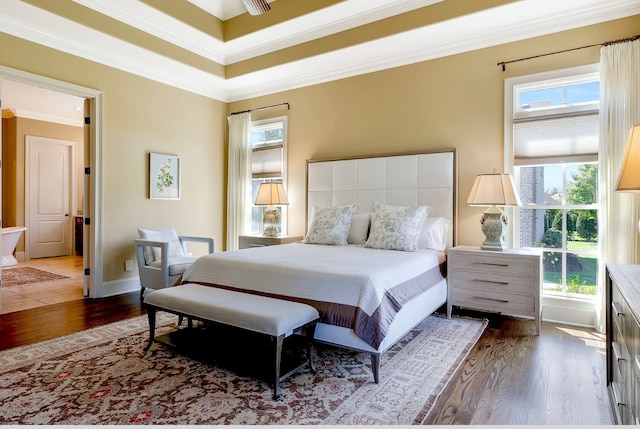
48, 203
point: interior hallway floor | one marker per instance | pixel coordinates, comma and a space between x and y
23, 297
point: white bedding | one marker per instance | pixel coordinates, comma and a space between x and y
351, 276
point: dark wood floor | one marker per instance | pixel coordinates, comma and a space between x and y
510, 377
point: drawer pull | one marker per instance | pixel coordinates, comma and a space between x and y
494, 264
618, 353
491, 281
617, 308
616, 397
637, 361
491, 299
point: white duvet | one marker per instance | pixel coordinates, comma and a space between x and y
350, 275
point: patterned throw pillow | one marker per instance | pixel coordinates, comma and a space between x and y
396, 227
330, 225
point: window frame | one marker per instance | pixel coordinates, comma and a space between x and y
513, 114
283, 209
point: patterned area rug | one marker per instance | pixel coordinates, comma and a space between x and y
27, 275
102, 376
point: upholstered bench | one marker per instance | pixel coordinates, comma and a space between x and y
269, 316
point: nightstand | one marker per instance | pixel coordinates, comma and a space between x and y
247, 241
507, 282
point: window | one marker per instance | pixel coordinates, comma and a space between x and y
552, 146
268, 163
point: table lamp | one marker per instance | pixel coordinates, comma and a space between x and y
271, 194
493, 190
629, 176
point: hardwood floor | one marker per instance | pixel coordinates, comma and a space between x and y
513, 377
510, 377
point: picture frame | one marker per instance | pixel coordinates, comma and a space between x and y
164, 177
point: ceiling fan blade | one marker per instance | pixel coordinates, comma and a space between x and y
256, 7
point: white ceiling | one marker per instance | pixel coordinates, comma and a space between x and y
511, 21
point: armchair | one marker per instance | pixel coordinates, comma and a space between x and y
163, 257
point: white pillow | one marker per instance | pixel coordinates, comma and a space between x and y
396, 227
434, 234
154, 253
359, 230
330, 225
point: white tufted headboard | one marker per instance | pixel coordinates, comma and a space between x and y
415, 179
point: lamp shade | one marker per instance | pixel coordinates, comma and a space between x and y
271, 194
493, 189
629, 177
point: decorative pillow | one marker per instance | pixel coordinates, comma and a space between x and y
396, 227
330, 225
359, 230
433, 234
154, 253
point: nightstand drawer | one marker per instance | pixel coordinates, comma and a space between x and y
494, 264
496, 282
494, 301
249, 241
507, 282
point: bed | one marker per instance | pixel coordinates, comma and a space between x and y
373, 261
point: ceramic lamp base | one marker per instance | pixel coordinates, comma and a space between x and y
271, 222
494, 227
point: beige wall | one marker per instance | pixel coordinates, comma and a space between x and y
13, 161
142, 116
455, 101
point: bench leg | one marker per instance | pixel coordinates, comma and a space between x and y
311, 332
151, 313
375, 366
278, 359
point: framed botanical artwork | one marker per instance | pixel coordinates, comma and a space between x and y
164, 177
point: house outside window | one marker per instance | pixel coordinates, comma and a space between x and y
552, 135
268, 164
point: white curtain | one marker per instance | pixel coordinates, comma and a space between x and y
619, 111
238, 177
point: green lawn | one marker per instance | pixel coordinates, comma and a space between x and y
581, 282
582, 245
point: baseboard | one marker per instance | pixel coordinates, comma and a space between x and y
569, 312
19, 256
117, 287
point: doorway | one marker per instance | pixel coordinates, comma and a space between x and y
91, 259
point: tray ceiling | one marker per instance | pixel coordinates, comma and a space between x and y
214, 48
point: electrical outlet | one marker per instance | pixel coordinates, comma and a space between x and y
128, 265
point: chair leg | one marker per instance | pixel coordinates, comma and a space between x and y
142, 288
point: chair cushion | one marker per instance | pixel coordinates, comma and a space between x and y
177, 264
154, 253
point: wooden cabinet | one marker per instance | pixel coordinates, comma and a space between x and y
248, 241
507, 282
623, 341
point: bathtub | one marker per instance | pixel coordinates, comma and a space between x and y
10, 237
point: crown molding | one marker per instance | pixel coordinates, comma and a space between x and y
27, 22
512, 22
25, 114
325, 22
431, 42
139, 15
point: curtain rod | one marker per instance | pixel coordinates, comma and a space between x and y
611, 42
263, 107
